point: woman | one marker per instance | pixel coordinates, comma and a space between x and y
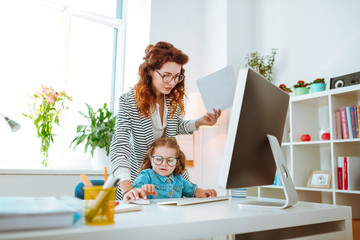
152, 109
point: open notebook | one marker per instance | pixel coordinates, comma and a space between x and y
189, 201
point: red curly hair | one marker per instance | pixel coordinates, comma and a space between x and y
155, 57
170, 143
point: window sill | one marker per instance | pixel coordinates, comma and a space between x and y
68, 172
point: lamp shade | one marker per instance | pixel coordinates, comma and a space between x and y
14, 126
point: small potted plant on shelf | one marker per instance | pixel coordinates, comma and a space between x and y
318, 85
284, 88
97, 135
301, 88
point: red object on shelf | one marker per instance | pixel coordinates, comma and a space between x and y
325, 136
305, 138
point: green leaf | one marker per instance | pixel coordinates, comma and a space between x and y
99, 131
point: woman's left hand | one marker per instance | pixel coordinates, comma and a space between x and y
208, 119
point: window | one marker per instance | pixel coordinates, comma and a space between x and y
76, 46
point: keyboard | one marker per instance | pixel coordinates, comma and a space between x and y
189, 201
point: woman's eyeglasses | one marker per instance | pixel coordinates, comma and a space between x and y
158, 160
168, 78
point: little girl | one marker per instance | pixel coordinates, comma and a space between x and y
161, 174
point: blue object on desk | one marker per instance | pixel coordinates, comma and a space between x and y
79, 189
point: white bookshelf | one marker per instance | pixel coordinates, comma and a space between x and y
307, 113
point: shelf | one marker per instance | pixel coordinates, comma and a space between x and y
347, 140
272, 186
323, 142
314, 189
308, 114
348, 191
351, 91
311, 143
311, 96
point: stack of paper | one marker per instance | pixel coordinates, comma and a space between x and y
20, 213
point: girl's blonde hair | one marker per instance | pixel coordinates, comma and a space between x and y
170, 143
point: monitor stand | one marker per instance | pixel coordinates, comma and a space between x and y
289, 189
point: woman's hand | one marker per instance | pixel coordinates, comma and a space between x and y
204, 193
208, 119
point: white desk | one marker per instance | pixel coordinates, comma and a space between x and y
211, 219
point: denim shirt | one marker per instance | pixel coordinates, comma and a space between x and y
166, 187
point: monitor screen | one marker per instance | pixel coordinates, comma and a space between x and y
259, 108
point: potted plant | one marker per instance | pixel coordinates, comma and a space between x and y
97, 135
318, 85
284, 88
45, 109
262, 64
301, 88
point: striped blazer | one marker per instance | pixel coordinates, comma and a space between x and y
134, 135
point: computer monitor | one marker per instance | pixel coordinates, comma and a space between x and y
252, 150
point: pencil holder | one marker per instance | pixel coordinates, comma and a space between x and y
99, 205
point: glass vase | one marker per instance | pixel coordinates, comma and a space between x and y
44, 155
44, 151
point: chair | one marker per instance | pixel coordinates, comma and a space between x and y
79, 189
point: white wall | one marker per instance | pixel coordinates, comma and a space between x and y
314, 39
180, 23
240, 34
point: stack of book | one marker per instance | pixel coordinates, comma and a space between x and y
22, 213
347, 120
348, 173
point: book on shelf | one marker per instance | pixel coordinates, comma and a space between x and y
349, 122
353, 125
338, 125
349, 173
344, 123
348, 118
356, 122
358, 119
23, 213
340, 172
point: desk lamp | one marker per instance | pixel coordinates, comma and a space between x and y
14, 126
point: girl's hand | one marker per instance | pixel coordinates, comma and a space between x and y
204, 193
149, 189
208, 119
134, 194
210, 193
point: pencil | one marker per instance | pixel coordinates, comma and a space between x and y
86, 181
105, 174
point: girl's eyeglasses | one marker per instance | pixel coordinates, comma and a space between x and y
169, 78
158, 160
